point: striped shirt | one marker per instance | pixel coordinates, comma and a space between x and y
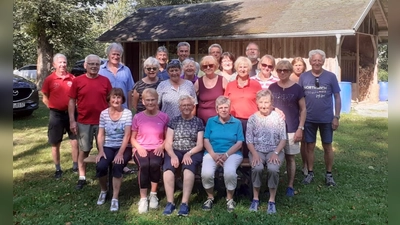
114, 130
265, 83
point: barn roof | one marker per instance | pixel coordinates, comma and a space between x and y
247, 19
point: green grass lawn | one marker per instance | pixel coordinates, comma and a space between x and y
360, 197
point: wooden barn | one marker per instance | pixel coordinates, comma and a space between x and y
348, 31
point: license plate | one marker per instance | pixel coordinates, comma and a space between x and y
18, 105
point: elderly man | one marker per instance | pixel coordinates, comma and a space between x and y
183, 51
89, 94
162, 57
55, 91
120, 76
319, 85
253, 53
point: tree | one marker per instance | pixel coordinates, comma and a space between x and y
383, 71
53, 26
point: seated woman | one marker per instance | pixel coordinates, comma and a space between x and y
222, 140
148, 134
265, 138
184, 146
113, 137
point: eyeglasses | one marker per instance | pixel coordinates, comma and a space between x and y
282, 70
317, 82
93, 64
206, 66
151, 69
266, 65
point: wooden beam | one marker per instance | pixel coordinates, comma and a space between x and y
383, 13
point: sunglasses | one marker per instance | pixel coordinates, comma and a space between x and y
206, 66
266, 65
317, 82
151, 69
282, 70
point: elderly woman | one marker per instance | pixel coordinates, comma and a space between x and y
148, 134
265, 76
208, 88
223, 138
189, 70
227, 69
289, 97
299, 67
150, 66
265, 138
184, 146
242, 93
112, 142
170, 90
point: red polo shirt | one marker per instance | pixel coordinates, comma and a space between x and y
243, 99
57, 89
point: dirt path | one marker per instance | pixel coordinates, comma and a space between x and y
379, 109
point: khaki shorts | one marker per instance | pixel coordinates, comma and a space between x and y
86, 134
291, 147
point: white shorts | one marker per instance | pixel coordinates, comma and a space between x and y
291, 147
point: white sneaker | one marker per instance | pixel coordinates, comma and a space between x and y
102, 198
114, 205
153, 201
143, 206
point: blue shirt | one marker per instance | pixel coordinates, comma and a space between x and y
223, 136
123, 79
163, 75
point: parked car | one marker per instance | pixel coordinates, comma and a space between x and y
28, 71
25, 96
78, 68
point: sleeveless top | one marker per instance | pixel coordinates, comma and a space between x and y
206, 99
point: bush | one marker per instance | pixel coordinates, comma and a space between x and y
383, 75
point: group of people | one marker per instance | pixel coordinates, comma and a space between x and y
183, 115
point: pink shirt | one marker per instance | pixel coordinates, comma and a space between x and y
150, 129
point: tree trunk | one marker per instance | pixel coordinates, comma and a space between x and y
45, 55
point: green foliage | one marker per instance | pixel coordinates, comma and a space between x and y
150, 3
383, 52
360, 169
383, 75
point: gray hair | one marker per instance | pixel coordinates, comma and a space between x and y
187, 62
214, 45
270, 57
115, 46
222, 100
92, 56
186, 97
317, 52
243, 60
162, 49
59, 55
151, 61
284, 63
264, 93
252, 43
183, 43
197, 67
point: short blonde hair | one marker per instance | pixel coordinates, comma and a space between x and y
151, 92
243, 60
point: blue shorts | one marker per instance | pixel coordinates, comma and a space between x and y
197, 159
325, 130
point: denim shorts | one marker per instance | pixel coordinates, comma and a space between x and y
325, 130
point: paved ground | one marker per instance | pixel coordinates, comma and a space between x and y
379, 109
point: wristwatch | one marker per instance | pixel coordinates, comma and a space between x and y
276, 153
190, 152
300, 127
338, 117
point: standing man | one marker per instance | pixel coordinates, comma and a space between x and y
55, 91
162, 57
216, 51
183, 51
120, 76
319, 85
253, 53
89, 94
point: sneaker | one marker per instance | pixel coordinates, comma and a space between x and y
308, 178
230, 205
143, 206
329, 180
102, 198
114, 205
169, 208
271, 208
184, 210
75, 170
80, 184
305, 171
208, 204
58, 174
254, 205
289, 192
153, 201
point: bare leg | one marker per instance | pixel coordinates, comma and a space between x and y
256, 193
82, 165
154, 187
188, 181
169, 185
310, 155
328, 156
210, 192
55, 152
272, 194
116, 186
303, 152
291, 169
229, 194
74, 150
103, 183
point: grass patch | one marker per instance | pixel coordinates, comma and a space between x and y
360, 170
